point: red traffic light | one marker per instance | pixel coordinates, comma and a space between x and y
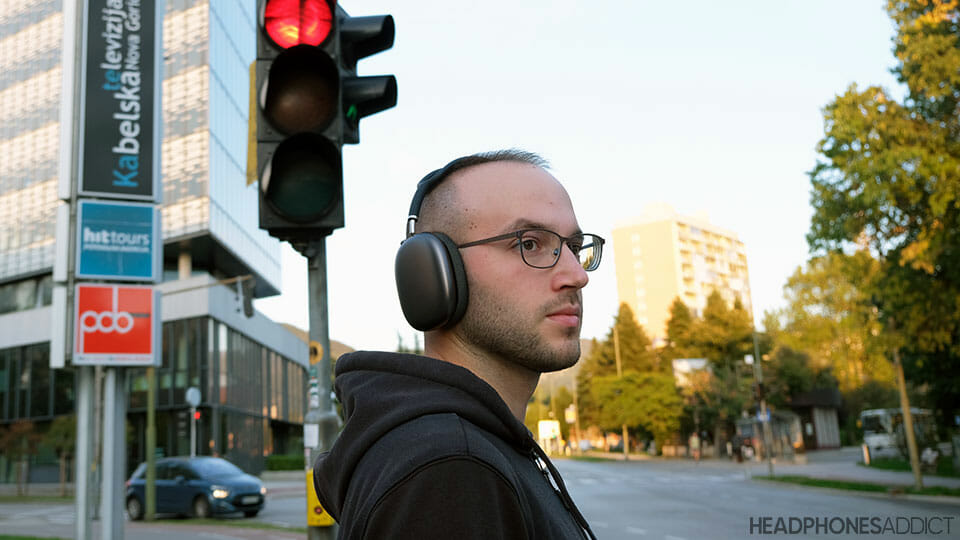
196, 415
295, 22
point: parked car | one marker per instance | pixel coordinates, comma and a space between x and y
198, 486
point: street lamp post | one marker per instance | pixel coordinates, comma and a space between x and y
764, 413
616, 354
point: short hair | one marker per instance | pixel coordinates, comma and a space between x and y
438, 211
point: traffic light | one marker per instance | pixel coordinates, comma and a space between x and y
309, 104
759, 391
245, 289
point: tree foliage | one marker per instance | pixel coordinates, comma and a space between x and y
715, 396
679, 329
636, 354
888, 178
19, 441
648, 400
830, 317
62, 437
724, 334
643, 395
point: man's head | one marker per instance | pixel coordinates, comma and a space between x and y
515, 312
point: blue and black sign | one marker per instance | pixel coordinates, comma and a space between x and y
118, 241
120, 104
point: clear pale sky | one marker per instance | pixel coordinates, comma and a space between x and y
708, 106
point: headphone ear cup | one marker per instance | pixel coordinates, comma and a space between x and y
431, 281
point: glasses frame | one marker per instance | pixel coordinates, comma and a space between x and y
564, 241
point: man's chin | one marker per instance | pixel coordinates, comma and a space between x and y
563, 357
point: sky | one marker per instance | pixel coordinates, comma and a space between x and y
707, 106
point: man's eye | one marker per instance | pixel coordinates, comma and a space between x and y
529, 244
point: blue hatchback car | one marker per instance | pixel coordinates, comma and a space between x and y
198, 486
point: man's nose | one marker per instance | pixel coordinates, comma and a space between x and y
571, 272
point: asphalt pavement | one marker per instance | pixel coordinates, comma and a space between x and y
646, 482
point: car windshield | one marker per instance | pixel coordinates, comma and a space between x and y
872, 424
215, 467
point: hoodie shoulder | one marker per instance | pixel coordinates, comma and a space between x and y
410, 447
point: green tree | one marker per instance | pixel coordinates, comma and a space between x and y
17, 443
888, 178
62, 437
829, 317
724, 335
679, 333
648, 400
636, 354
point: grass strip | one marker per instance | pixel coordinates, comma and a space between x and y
861, 486
944, 466
8, 537
239, 523
590, 459
7, 499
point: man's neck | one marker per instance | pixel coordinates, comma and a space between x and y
513, 382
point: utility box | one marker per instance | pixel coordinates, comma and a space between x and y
316, 515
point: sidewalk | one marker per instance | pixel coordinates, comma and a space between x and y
840, 464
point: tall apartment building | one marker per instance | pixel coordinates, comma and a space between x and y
251, 371
662, 255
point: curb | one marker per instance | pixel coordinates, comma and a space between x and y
938, 499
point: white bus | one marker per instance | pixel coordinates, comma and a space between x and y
883, 427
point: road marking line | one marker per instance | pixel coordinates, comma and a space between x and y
220, 536
635, 530
668, 537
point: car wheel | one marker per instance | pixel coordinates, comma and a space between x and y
251, 513
134, 509
201, 507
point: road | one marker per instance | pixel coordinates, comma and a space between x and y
656, 499
682, 500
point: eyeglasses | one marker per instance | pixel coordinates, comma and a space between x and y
541, 248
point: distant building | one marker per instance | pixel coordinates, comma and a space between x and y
683, 368
252, 372
663, 255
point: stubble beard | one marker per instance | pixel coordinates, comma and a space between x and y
491, 326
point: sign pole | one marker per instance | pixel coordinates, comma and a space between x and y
114, 454
83, 488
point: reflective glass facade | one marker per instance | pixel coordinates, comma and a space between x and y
203, 152
252, 399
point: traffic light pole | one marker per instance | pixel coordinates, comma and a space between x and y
320, 412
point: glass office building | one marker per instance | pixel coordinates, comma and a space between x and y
251, 371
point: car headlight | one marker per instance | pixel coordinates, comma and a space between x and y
263, 490
219, 492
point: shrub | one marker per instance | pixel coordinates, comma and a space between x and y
292, 462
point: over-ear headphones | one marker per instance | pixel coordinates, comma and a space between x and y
431, 280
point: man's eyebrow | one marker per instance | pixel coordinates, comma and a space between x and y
525, 223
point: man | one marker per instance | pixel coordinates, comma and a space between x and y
434, 446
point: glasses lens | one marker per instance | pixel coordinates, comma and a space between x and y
590, 252
539, 248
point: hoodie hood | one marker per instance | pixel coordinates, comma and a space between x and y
380, 391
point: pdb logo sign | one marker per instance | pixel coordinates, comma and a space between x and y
116, 325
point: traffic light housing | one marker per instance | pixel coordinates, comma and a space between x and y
308, 105
759, 391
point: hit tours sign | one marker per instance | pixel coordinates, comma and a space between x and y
119, 104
